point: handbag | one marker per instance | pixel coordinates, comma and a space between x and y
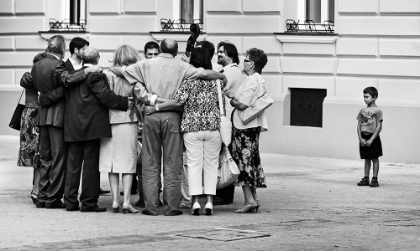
225, 123
17, 115
228, 170
262, 102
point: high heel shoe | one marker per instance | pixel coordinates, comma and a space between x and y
129, 209
195, 209
116, 207
258, 205
247, 208
208, 209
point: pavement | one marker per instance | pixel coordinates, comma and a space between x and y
309, 204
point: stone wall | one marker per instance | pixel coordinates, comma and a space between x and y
377, 44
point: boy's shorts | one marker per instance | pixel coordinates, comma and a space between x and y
373, 151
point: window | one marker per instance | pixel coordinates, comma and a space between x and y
71, 18
316, 10
185, 12
310, 16
306, 106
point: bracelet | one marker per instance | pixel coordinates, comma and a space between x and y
157, 107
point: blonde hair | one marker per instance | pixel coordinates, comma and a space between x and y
125, 55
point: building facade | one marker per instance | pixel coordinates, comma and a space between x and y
315, 78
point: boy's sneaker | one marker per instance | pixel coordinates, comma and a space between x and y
364, 182
374, 182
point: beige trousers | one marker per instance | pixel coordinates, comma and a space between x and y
203, 150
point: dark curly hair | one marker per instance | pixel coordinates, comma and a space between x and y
230, 50
258, 57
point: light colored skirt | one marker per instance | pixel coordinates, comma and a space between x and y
119, 153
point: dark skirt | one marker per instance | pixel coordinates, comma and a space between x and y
373, 151
246, 154
29, 139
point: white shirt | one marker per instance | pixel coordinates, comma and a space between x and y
76, 66
235, 78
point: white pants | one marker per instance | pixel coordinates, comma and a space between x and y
203, 150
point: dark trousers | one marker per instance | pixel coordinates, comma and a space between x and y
53, 164
162, 136
86, 153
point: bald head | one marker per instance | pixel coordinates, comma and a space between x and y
90, 55
169, 46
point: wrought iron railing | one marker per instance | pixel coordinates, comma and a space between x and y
65, 25
178, 24
309, 26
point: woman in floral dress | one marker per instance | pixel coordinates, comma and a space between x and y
245, 137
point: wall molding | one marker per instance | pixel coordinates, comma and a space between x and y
68, 35
311, 39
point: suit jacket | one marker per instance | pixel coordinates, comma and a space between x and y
48, 74
86, 114
68, 65
58, 94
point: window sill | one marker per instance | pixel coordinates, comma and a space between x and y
313, 38
68, 35
179, 36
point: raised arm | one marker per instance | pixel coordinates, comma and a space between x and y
134, 75
71, 78
210, 74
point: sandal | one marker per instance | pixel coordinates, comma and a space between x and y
247, 208
129, 209
116, 207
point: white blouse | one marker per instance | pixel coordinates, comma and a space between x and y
244, 95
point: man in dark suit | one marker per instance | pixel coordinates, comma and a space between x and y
48, 74
86, 121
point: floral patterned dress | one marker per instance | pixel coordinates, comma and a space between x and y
246, 154
29, 139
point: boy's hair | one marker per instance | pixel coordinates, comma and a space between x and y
372, 91
78, 43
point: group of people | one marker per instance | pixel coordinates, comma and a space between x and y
142, 116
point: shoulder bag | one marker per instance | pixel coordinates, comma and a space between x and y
17, 115
228, 170
225, 124
259, 102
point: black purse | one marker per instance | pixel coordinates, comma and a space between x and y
17, 114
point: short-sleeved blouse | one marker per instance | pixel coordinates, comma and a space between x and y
201, 105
